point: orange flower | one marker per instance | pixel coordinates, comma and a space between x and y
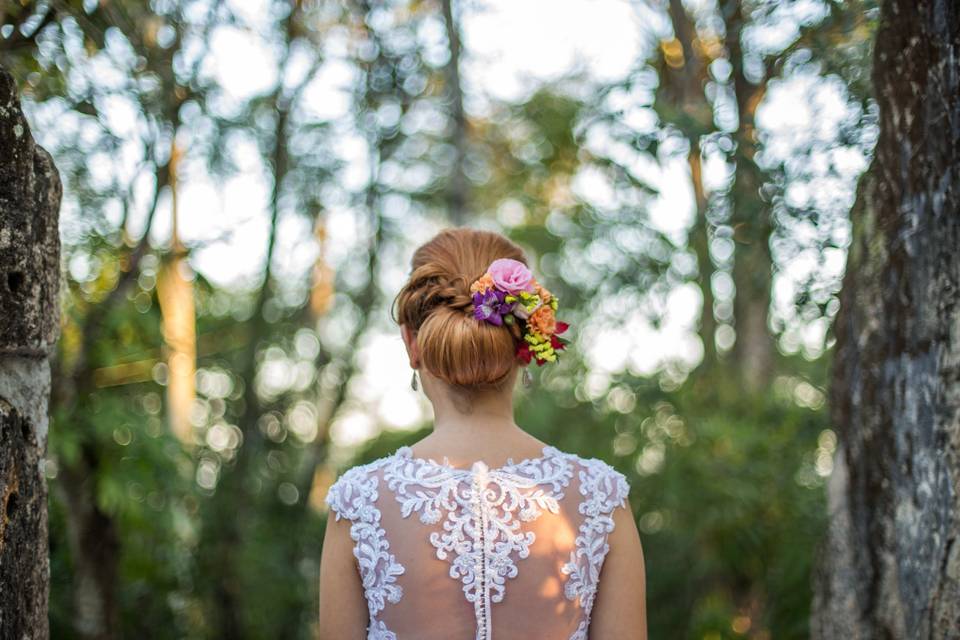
543, 321
544, 294
540, 290
483, 284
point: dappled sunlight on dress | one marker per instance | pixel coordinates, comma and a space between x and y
512, 552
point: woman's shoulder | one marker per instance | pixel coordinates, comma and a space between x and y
355, 487
600, 481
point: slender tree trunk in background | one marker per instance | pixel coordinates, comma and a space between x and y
457, 201
179, 318
682, 89
750, 219
94, 550
700, 241
30, 193
890, 564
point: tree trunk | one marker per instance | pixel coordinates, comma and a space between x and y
29, 325
457, 200
682, 90
754, 349
890, 564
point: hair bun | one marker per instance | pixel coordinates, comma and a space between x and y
437, 304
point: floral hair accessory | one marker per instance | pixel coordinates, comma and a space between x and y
511, 276
508, 294
490, 306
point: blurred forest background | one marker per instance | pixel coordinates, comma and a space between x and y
691, 213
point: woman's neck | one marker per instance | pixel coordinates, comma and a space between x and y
482, 420
458, 414
488, 432
478, 427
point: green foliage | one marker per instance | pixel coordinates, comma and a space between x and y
732, 512
143, 481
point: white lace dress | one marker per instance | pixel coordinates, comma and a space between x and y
453, 553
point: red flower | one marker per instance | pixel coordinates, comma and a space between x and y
557, 343
561, 327
524, 353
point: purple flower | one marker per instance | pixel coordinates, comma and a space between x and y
490, 306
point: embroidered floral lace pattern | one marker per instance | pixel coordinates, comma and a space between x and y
603, 489
353, 497
476, 518
480, 531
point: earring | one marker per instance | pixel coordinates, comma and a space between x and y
413, 381
527, 378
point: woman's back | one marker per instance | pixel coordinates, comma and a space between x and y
421, 550
508, 552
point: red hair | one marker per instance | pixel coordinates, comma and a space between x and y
437, 305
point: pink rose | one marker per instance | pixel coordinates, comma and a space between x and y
511, 275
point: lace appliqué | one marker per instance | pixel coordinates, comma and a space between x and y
484, 509
603, 489
353, 496
378, 631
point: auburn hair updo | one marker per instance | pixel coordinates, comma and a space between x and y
437, 305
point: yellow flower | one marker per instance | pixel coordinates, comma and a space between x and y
540, 346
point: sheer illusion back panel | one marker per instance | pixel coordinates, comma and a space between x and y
510, 552
433, 604
533, 606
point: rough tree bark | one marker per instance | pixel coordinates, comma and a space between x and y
890, 564
29, 325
